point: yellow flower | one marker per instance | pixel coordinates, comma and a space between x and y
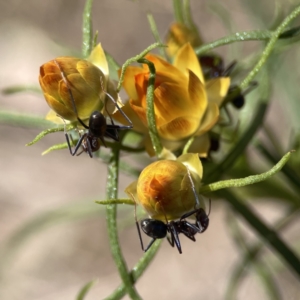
185, 105
166, 188
178, 35
87, 80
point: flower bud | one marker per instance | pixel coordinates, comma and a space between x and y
167, 189
83, 79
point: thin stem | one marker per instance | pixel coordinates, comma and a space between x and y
177, 7
135, 59
111, 218
137, 271
247, 180
115, 201
287, 170
155, 33
21, 89
243, 36
269, 48
157, 146
87, 29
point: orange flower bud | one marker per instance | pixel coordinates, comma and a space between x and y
166, 189
83, 80
178, 35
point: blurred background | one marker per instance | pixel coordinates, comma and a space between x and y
53, 236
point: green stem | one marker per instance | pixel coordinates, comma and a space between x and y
287, 170
137, 271
155, 33
243, 36
157, 146
21, 89
17, 119
135, 59
115, 201
178, 15
247, 180
87, 29
188, 20
111, 218
270, 46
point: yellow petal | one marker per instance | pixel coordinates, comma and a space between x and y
91, 75
211, 117
186, 59
193, 163
179, 128
197, 95
64, 110
53, 117
217, 89
129, 80
160, 64
98, 58
200, 145
138, 126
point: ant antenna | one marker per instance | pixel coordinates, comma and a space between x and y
193, 187
209, 208
117, 106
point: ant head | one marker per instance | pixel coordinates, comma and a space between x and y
202, 219
154, 228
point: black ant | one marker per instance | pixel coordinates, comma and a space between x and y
157, 229
98, 127
213, 67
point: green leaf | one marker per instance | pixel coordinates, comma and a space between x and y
265, 232
85, 289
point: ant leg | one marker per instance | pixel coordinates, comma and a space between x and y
171, 240
140, 235
229, 69
190, 233
175, 236
121, 111
186, 215
138, 227
90, 152
150, 244
77, 145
